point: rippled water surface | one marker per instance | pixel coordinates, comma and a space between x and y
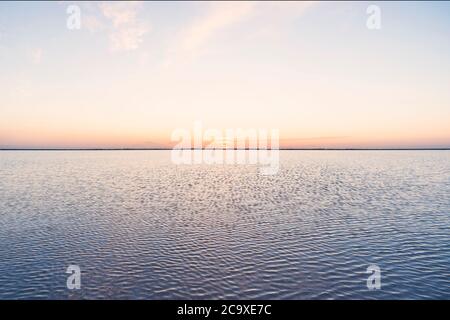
141, 227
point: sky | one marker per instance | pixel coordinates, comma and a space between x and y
135, 72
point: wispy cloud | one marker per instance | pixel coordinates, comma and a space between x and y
220, 16
126, 31
120, 13
119, 20
92, 23
128, 38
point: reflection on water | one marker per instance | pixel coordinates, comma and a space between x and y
142, 228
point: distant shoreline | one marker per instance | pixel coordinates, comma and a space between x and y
168, 149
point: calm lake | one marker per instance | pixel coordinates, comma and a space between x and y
141, 227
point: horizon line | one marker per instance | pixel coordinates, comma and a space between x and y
234, 149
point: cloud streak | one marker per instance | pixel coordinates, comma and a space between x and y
220, 16
126, 31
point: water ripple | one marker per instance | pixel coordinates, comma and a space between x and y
142, 228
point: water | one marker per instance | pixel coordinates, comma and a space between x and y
140, 227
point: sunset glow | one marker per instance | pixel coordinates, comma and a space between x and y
135, 72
